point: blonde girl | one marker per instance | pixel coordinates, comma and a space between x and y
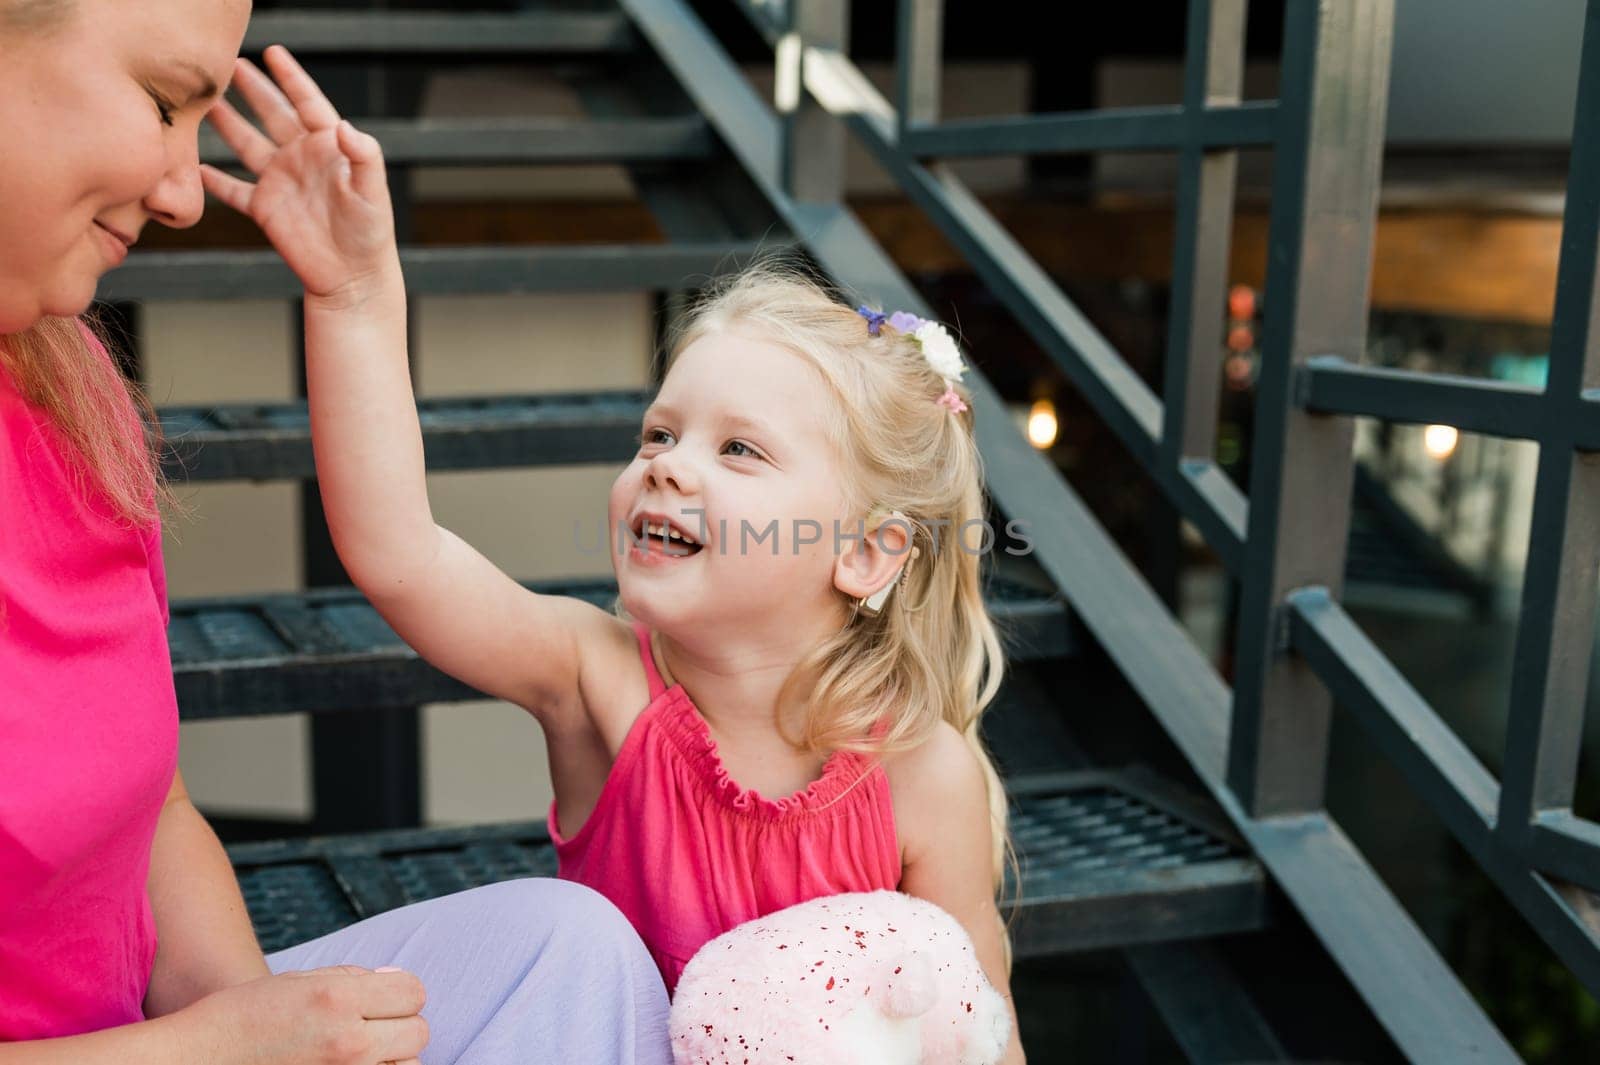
785, 702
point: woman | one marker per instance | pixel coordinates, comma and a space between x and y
123, 936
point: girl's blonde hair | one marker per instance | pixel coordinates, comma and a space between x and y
61, 365
933, 654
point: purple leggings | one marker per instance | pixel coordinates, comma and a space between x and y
522, 971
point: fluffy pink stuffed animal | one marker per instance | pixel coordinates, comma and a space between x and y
873, 978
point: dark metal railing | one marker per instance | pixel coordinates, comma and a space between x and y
1262, 748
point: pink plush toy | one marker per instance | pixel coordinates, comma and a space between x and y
872, 978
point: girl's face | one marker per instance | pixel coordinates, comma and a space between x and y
100, 114
735, 452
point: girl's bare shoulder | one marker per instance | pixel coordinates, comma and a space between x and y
926, 780
612, 686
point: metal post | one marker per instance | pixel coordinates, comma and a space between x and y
1203, 230
366, 764
1555, 630
919, 46
814, 141
1324, 202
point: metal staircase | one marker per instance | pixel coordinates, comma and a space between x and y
1115, 858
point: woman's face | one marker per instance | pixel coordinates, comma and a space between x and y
100, 110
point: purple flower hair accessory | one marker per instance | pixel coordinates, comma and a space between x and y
905, 322
875, 319
938, 347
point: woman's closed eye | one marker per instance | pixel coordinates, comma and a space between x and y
165, 109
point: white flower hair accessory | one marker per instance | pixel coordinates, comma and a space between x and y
937, 345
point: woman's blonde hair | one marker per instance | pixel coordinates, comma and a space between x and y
61, 366
933, 654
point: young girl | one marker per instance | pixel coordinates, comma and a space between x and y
756, 725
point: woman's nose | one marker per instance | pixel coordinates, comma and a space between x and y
178, 198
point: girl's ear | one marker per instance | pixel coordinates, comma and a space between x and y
869, 562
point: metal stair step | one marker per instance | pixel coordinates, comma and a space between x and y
328, 649
532, 139
1102, 865
273, 441
262, 274
441, 32
1112, 859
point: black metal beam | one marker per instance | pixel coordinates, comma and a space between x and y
1326, 169
1145, 129
1556, 622
919, 77
439, 32
1331, 384
1567, 846
1202, 237
273, 441
524, 140
1445, 775
433, 271
1442, 771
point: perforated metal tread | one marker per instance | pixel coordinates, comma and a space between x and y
1105, 862
271, 441
329, 649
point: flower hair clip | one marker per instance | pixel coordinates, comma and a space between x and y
937, 345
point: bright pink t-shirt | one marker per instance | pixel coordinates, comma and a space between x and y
88, 739
686, 853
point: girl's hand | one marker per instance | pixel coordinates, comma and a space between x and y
321, 195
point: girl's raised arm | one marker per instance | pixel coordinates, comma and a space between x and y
322, 198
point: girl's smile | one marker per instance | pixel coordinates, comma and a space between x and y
654, 552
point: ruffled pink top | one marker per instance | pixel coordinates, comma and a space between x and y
687, 854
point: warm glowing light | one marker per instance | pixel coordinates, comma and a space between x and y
1241, 302
1239, 371
1440, 440
1042, 426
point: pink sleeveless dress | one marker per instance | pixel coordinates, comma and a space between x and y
687, 854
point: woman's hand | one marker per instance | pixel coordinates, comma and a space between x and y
344, 1015
321, 194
